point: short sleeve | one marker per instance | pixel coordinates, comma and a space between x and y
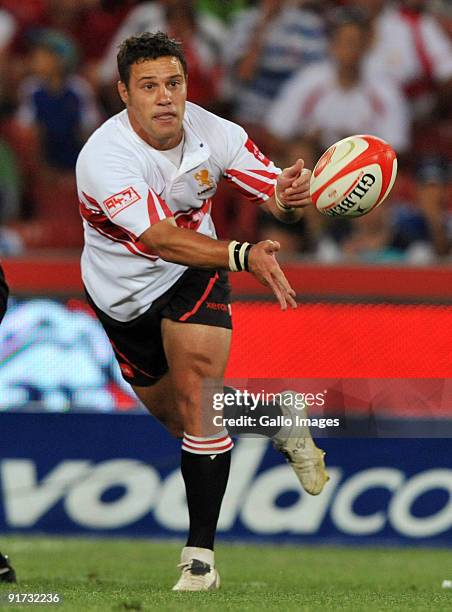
113, 189
247, 168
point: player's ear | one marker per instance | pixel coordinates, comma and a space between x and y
123, 93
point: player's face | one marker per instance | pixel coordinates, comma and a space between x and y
155, 100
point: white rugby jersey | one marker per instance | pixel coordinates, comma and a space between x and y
124, 186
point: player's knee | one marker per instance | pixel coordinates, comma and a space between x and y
187, 400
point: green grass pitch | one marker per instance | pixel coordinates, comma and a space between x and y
107, 574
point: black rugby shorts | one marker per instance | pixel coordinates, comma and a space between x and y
198, 296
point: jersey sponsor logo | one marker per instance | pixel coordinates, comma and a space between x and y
254, 150
118, 202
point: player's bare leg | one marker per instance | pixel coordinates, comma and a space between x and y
195, 353
159, 400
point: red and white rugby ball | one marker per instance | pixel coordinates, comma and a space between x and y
353, 176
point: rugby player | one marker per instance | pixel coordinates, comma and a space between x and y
7, 573
152, 265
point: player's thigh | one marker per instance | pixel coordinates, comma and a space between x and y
197, 356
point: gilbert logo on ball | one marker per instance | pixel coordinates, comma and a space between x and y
353, 176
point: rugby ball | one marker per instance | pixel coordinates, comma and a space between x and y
353, 176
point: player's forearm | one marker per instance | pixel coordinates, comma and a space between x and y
291, 215
186, 247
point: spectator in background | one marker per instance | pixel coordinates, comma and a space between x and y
420, 228
410, 46
89, 22
412, 231
329, 101
57, 111
369, 239
55, 102
202, 35
267, 45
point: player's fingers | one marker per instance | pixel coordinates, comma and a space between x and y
286, 289
277, 291
288, 175
297, 203
300, 190
296, 195
294, 171
271, 246
303, 179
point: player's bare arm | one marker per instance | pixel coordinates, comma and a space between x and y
183, 246
291, 193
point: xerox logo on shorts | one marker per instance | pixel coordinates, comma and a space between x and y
118, 202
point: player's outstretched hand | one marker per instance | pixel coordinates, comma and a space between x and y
263, 265
292, 185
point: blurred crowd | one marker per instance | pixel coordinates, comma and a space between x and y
297, 74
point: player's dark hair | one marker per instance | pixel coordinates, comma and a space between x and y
144, 47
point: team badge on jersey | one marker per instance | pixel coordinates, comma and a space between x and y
121, 200
205, 182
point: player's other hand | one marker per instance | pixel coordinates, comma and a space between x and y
292, 185
263, 265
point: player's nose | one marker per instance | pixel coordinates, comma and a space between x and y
163, 94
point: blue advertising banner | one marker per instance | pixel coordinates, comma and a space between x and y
107, 474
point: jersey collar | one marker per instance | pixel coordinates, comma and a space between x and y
196, 150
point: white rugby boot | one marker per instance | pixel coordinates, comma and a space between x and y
198, 571
296, 444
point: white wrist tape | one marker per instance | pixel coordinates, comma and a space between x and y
280, 204
238, 255
231, 247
